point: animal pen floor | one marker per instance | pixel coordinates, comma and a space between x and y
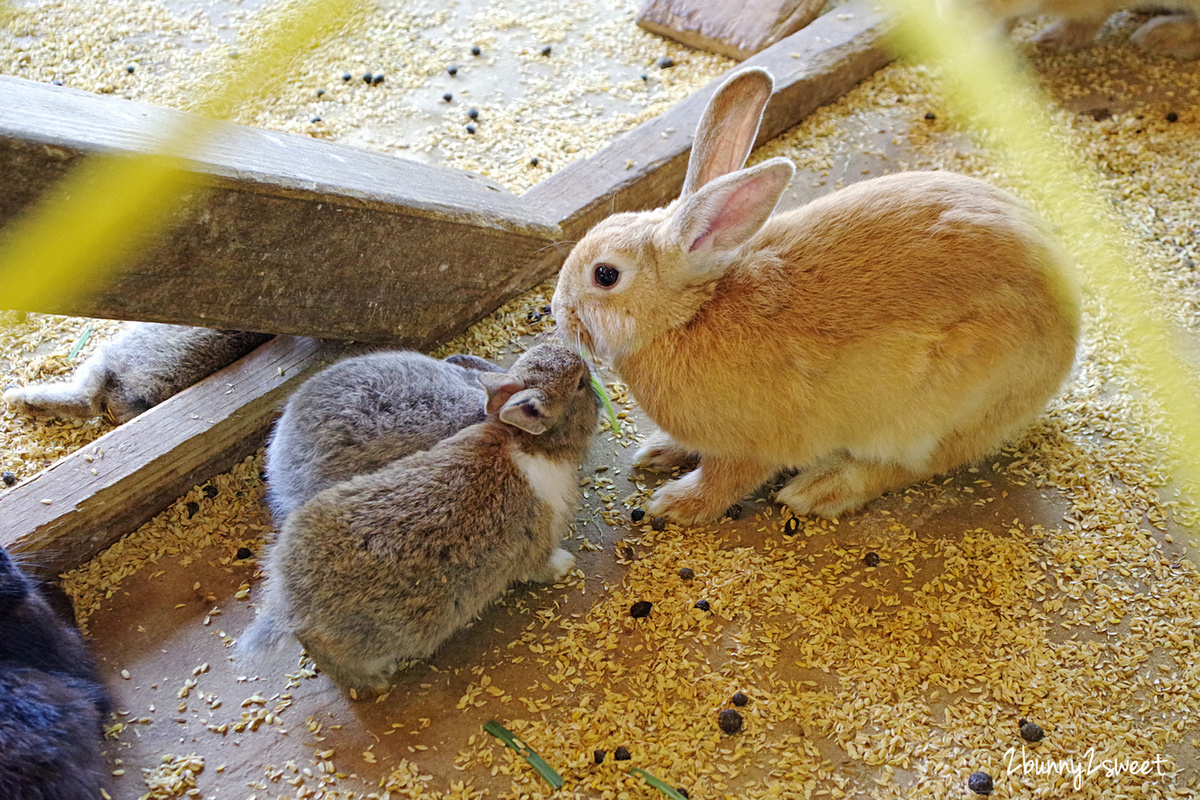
1051, 583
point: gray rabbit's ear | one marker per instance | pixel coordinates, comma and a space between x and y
525, 411
500, 386
726, 133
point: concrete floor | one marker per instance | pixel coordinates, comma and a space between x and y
159, 630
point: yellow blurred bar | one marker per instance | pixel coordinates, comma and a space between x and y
109, 206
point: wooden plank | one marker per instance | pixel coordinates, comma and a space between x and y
812, 67
204, 430
296, 236
734, 28
109, 488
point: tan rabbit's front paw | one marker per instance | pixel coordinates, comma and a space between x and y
660, 453
684, 501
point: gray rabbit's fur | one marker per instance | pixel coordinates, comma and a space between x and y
384, 567
144, 365
363, 413
52, 703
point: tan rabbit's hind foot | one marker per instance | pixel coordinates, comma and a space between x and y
660, 453
841, 484
555, 568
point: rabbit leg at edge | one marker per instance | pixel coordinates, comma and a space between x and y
1176, 35
1070, 34
709, 489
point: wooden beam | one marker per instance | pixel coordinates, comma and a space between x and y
734, 28
296, 235
645, 167
77, 507
149, 462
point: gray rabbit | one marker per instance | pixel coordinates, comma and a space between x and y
384, 567
52, 703
363, 413
144, 365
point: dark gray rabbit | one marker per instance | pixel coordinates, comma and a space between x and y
384, 567
363, 413
144, 365
52, 703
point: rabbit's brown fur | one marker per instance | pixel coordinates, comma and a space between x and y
891, 331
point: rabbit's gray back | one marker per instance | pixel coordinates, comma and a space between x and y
52, 702
362, 413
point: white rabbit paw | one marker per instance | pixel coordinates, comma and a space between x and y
1069, 34
660, 453
555, 568
1177, 36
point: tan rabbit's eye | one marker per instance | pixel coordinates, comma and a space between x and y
583, 381
606, 275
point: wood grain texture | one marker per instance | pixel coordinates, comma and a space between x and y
734, 28
645, 167
295, 235
145, 464
310, 237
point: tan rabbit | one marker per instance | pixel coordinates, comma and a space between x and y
891, 331
1076, 22
384, 567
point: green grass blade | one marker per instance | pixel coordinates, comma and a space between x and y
80, 342
520, 748
656, 783
608, 406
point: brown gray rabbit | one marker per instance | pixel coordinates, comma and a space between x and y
364, 412
52, 703
384, 567
144, 365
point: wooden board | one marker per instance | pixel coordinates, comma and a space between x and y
645, 167
204, 430
734, 28
98, 494
297, 235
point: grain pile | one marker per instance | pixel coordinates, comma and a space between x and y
888, 654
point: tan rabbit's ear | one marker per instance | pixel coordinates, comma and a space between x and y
525, 411
500, 386
726, 133
726, 213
